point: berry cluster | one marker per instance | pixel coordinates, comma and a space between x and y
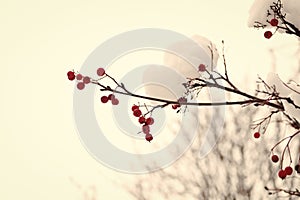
283, 173
274, 23
111, 97
83, 80
146, 122
180, 101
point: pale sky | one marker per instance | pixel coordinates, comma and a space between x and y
40, 41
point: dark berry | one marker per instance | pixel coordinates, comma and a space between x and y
256, 135
288, 170
150, 121
175, 106
274, 22
149, 137
268, 34
282, 174
275, 158
134, 107
137, 112
71, 75
142, 120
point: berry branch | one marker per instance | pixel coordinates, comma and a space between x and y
279, 21
295, 192
267, 96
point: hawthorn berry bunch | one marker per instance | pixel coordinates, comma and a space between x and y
82, 81
145, 122
144, 119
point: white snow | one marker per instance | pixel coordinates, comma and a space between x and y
179, 69
258, 11
284, 91
183, 67
273, 79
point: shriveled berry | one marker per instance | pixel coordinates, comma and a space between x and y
297, 168
134, 107
182, 100
71, 75
274, 22
288, 170
86, 80
275, 158
149, 121
100, 71
142, 120
268, 34
201, 68
256, 135
79, 77
146, 129
137, 112
104, 99
80, 85
115, 101
282, 174
149, 137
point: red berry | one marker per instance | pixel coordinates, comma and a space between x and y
288, 170
282, 174
86, 80
202, 68
142, 120
134, 107
149, 137
137, 112
274, 22
175, 106
150, 121
100, 71
104, 99
256, 135
79, 77
275, 158
111, 96
268, 34
146, 129
71, 75
80, 85
297, 168
115, 101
